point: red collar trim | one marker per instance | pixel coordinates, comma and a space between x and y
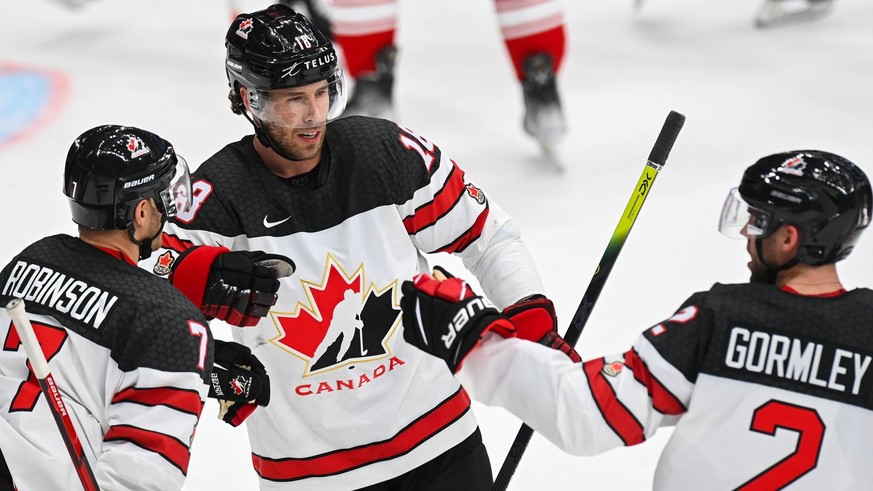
820, 295
117, 254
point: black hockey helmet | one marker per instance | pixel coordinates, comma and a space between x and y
111, 168
827, 197
278, 48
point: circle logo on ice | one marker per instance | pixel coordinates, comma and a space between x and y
29, 98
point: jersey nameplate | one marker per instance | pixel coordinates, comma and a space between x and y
824, 368
60, 293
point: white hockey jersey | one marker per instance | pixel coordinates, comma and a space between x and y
130, 356
767, 390
352, 404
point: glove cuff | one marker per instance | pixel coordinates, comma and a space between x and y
190, 271
533, 317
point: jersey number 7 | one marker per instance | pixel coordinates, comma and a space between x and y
51, 339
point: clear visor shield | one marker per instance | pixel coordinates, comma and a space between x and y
306, 106
741, 221
177, 197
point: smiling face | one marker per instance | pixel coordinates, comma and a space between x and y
294, 118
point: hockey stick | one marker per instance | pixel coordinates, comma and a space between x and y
39, 365
656, 161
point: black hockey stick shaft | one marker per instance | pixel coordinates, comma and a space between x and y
657, 160
39, 365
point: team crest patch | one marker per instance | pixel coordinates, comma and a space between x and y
240, 385
476, 193
613, 369
793, 166
245, 27
341, 319
162, 266
137, 147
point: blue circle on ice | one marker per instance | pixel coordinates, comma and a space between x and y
24, 97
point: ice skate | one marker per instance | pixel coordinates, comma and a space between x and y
543, 117
781, 12
371, 95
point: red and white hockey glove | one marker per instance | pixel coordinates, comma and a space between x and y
535, 320
447, 319
238, 287
239, 381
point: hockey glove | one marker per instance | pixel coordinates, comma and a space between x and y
534, 318
238, 287
239, 382
447, 319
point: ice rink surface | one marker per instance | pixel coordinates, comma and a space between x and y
746, 93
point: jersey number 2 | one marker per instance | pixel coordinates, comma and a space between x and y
810, 428
51, 339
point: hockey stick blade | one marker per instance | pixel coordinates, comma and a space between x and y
656, 161
39, 365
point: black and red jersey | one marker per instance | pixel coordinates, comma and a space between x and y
129, 354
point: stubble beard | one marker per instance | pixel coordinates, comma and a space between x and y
286, 140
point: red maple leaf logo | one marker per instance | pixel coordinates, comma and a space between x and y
165, 260
305, 329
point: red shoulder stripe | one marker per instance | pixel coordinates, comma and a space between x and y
172, 242
616, 414
186, 401
442, 203
344, 460
171, 449
662, 399
469, 236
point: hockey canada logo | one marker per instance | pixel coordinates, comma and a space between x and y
162, 266
343, 320
136, 146
613, 369
793, 166
476, 193
245, 27
240, 385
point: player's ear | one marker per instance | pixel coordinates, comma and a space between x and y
141, 213
244, 95
789, 238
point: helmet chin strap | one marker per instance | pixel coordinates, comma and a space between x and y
145, 245
773, 271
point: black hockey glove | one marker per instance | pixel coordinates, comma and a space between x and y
238, 287
242, 286
239, 381
534, 318
447, 319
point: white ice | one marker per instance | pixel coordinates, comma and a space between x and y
746, 93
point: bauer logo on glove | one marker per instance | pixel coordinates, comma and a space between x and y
463, 316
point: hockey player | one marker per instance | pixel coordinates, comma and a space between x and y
358, 201
533, 31
767, 383
131, 356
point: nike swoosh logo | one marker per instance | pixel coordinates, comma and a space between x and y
270, 224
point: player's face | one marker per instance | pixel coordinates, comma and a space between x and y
299, 114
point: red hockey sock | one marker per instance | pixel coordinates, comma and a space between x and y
360, 51
551, 41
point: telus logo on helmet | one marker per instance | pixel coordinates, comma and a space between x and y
308, 64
